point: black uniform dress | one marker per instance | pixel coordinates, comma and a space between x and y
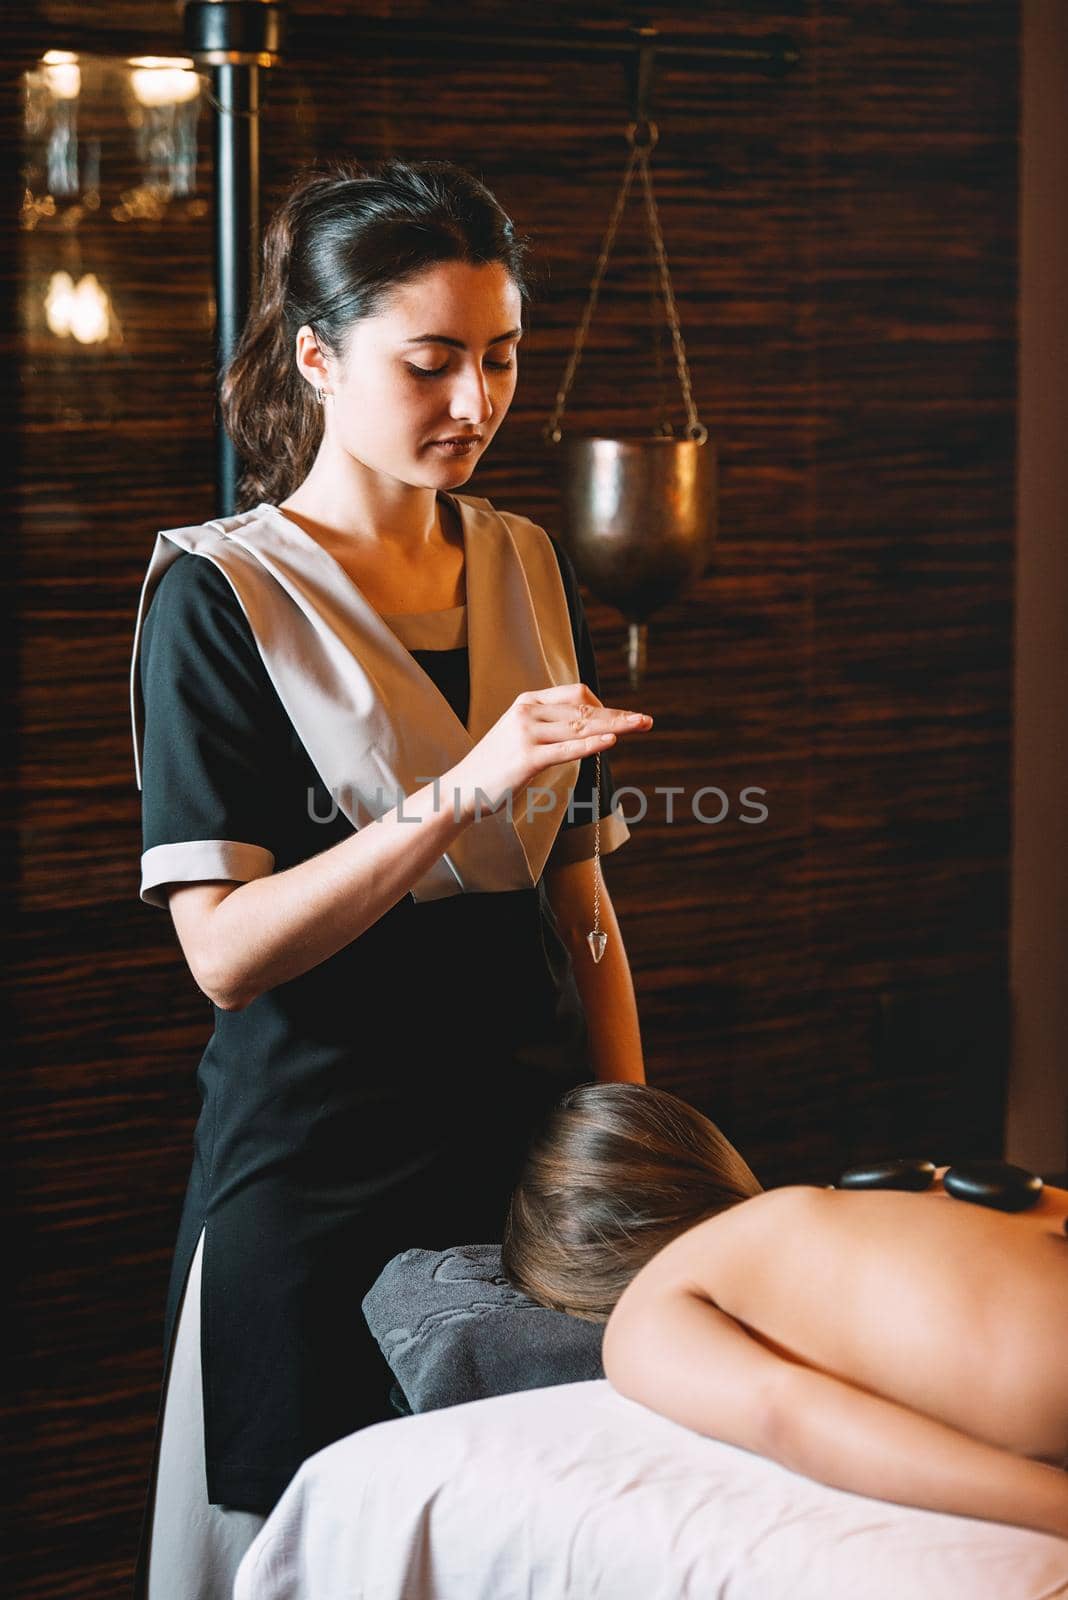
381, 1100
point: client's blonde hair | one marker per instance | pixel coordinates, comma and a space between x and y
617, 1171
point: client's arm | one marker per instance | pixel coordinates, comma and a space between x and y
671, 1349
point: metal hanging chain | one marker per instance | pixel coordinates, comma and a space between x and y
251, 115
639, 157
228, 111
664, 426
552, 429
695, 428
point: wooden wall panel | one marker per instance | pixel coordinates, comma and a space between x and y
828, 983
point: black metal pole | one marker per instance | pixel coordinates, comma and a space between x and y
237, 235
235, 38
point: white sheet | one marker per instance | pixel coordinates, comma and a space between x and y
574, 1493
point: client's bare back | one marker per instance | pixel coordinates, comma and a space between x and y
953, 1309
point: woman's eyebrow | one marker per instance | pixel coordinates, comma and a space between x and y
458, 344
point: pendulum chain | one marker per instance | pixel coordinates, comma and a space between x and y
597, 938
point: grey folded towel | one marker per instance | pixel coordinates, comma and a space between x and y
453, 1329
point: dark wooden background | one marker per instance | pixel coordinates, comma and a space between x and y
827, 984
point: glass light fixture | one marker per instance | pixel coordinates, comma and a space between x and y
166, 91
109, 201
51, 117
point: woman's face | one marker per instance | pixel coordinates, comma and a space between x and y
438, 361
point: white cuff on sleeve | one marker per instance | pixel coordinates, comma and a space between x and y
194, 860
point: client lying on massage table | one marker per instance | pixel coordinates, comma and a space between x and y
906, 1346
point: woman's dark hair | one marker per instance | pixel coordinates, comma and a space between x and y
343, 237
616, 1172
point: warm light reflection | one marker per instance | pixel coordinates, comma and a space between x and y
163, 80
62, 74
81, 310
160, 61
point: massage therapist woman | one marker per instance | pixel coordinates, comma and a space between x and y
397, 997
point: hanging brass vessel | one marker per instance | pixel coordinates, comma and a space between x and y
639, 514
639, 517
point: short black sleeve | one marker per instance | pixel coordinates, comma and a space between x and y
575, 840
213, 734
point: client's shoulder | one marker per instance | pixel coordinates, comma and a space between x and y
770, 1206
774, 1215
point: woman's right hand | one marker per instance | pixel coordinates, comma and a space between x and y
542, 728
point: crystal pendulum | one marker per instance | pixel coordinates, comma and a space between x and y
597, 938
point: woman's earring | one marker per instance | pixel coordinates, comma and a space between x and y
320, 394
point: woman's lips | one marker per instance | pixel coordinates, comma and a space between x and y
456, 447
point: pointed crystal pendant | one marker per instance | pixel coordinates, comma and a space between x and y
596, 941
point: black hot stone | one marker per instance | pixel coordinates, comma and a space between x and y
904, 1173
993, 1183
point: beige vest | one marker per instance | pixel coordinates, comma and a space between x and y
374, 724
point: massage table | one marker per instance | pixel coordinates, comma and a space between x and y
576, 1493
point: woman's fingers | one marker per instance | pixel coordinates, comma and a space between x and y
565, 709
588, 720
583, 744
607, 722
